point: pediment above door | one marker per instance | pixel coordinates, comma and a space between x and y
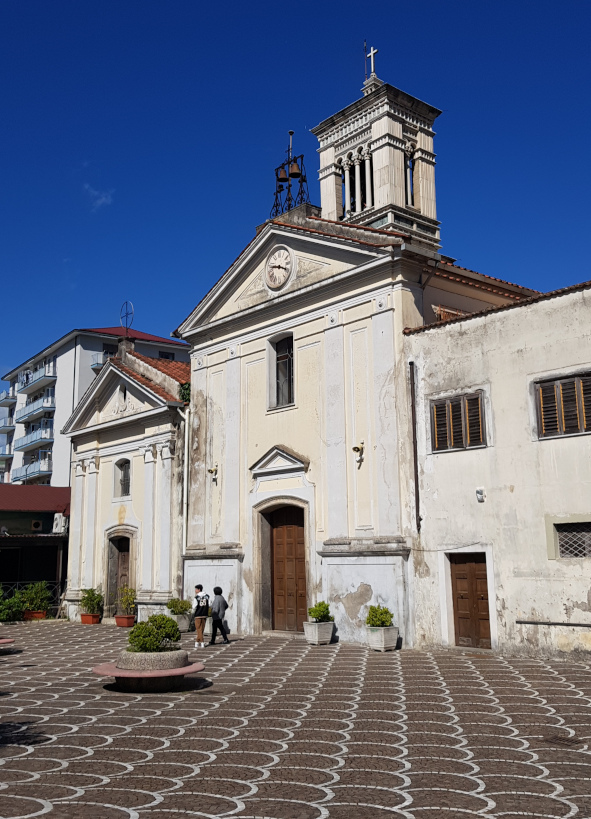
279, 461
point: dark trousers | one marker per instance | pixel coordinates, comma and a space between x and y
215, 625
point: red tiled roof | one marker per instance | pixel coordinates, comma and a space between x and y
119, 333
145, 382
31, 498
522, 302
179, 370
484, 275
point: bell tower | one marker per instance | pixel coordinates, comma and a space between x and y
377, 166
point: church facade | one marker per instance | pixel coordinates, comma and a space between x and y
300, 487
369, 423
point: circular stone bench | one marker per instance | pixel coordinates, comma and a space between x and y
140, 673
5, 642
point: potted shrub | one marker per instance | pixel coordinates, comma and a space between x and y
381, 634
35, 599
179, 612
11, 608
319, 629
127, 606
91, 605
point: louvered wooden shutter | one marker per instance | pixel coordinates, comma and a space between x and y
568, 406
440, 425
585, 404
456, 424
548, 409
474, 421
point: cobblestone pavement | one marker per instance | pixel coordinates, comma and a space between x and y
277, 728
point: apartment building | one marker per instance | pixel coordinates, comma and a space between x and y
43, 391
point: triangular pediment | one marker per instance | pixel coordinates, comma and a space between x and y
279, 461
113, 396
311, 259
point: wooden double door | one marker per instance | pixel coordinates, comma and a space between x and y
117, 573
470, 594
288, 569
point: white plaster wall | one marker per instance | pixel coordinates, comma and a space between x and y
525, 479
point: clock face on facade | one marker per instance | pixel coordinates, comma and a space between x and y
278, 268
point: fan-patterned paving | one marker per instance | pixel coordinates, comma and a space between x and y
280, 729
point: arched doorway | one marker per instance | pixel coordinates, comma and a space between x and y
117, 572
289, 606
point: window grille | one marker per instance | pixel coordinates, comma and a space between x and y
458, 423
574, 539
564, 406
124, 479
284, 371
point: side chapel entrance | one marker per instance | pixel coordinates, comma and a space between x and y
470, 596
117, 572
288, 569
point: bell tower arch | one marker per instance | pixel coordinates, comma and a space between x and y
377, 165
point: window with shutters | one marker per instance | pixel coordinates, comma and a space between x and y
564, 406
458, 422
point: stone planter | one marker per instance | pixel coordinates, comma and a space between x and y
34, 615
90, 619
208, 628
318, 634
139, 672
125, 620
182, 621
382, 638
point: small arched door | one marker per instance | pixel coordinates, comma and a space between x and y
288, 569
118, 571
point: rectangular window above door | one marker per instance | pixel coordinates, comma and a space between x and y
458, 423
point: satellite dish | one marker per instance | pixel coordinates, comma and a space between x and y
126, 315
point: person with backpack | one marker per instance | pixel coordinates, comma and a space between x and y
200, 613
218, 610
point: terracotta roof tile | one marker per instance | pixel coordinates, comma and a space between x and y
145, 382
137, 334
179, 370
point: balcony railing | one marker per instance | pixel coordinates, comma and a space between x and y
6, 451
43, 466
7, 397
6, 424
30, 379
37, 407
100, 359
44, 435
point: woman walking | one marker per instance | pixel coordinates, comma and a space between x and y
218, 610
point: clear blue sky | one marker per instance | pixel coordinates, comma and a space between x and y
138, 140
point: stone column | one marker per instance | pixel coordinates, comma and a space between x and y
164, 500
147, 546
76, 528
231, 465
347, 169
358, 203
367, 158
336, 454
90, 524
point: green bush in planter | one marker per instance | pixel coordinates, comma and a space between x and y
127, 599
176, 606
36, 597
320, 613
11, 608
91, 601
160, 633
379, 617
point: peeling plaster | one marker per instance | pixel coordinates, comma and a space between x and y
353, 602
